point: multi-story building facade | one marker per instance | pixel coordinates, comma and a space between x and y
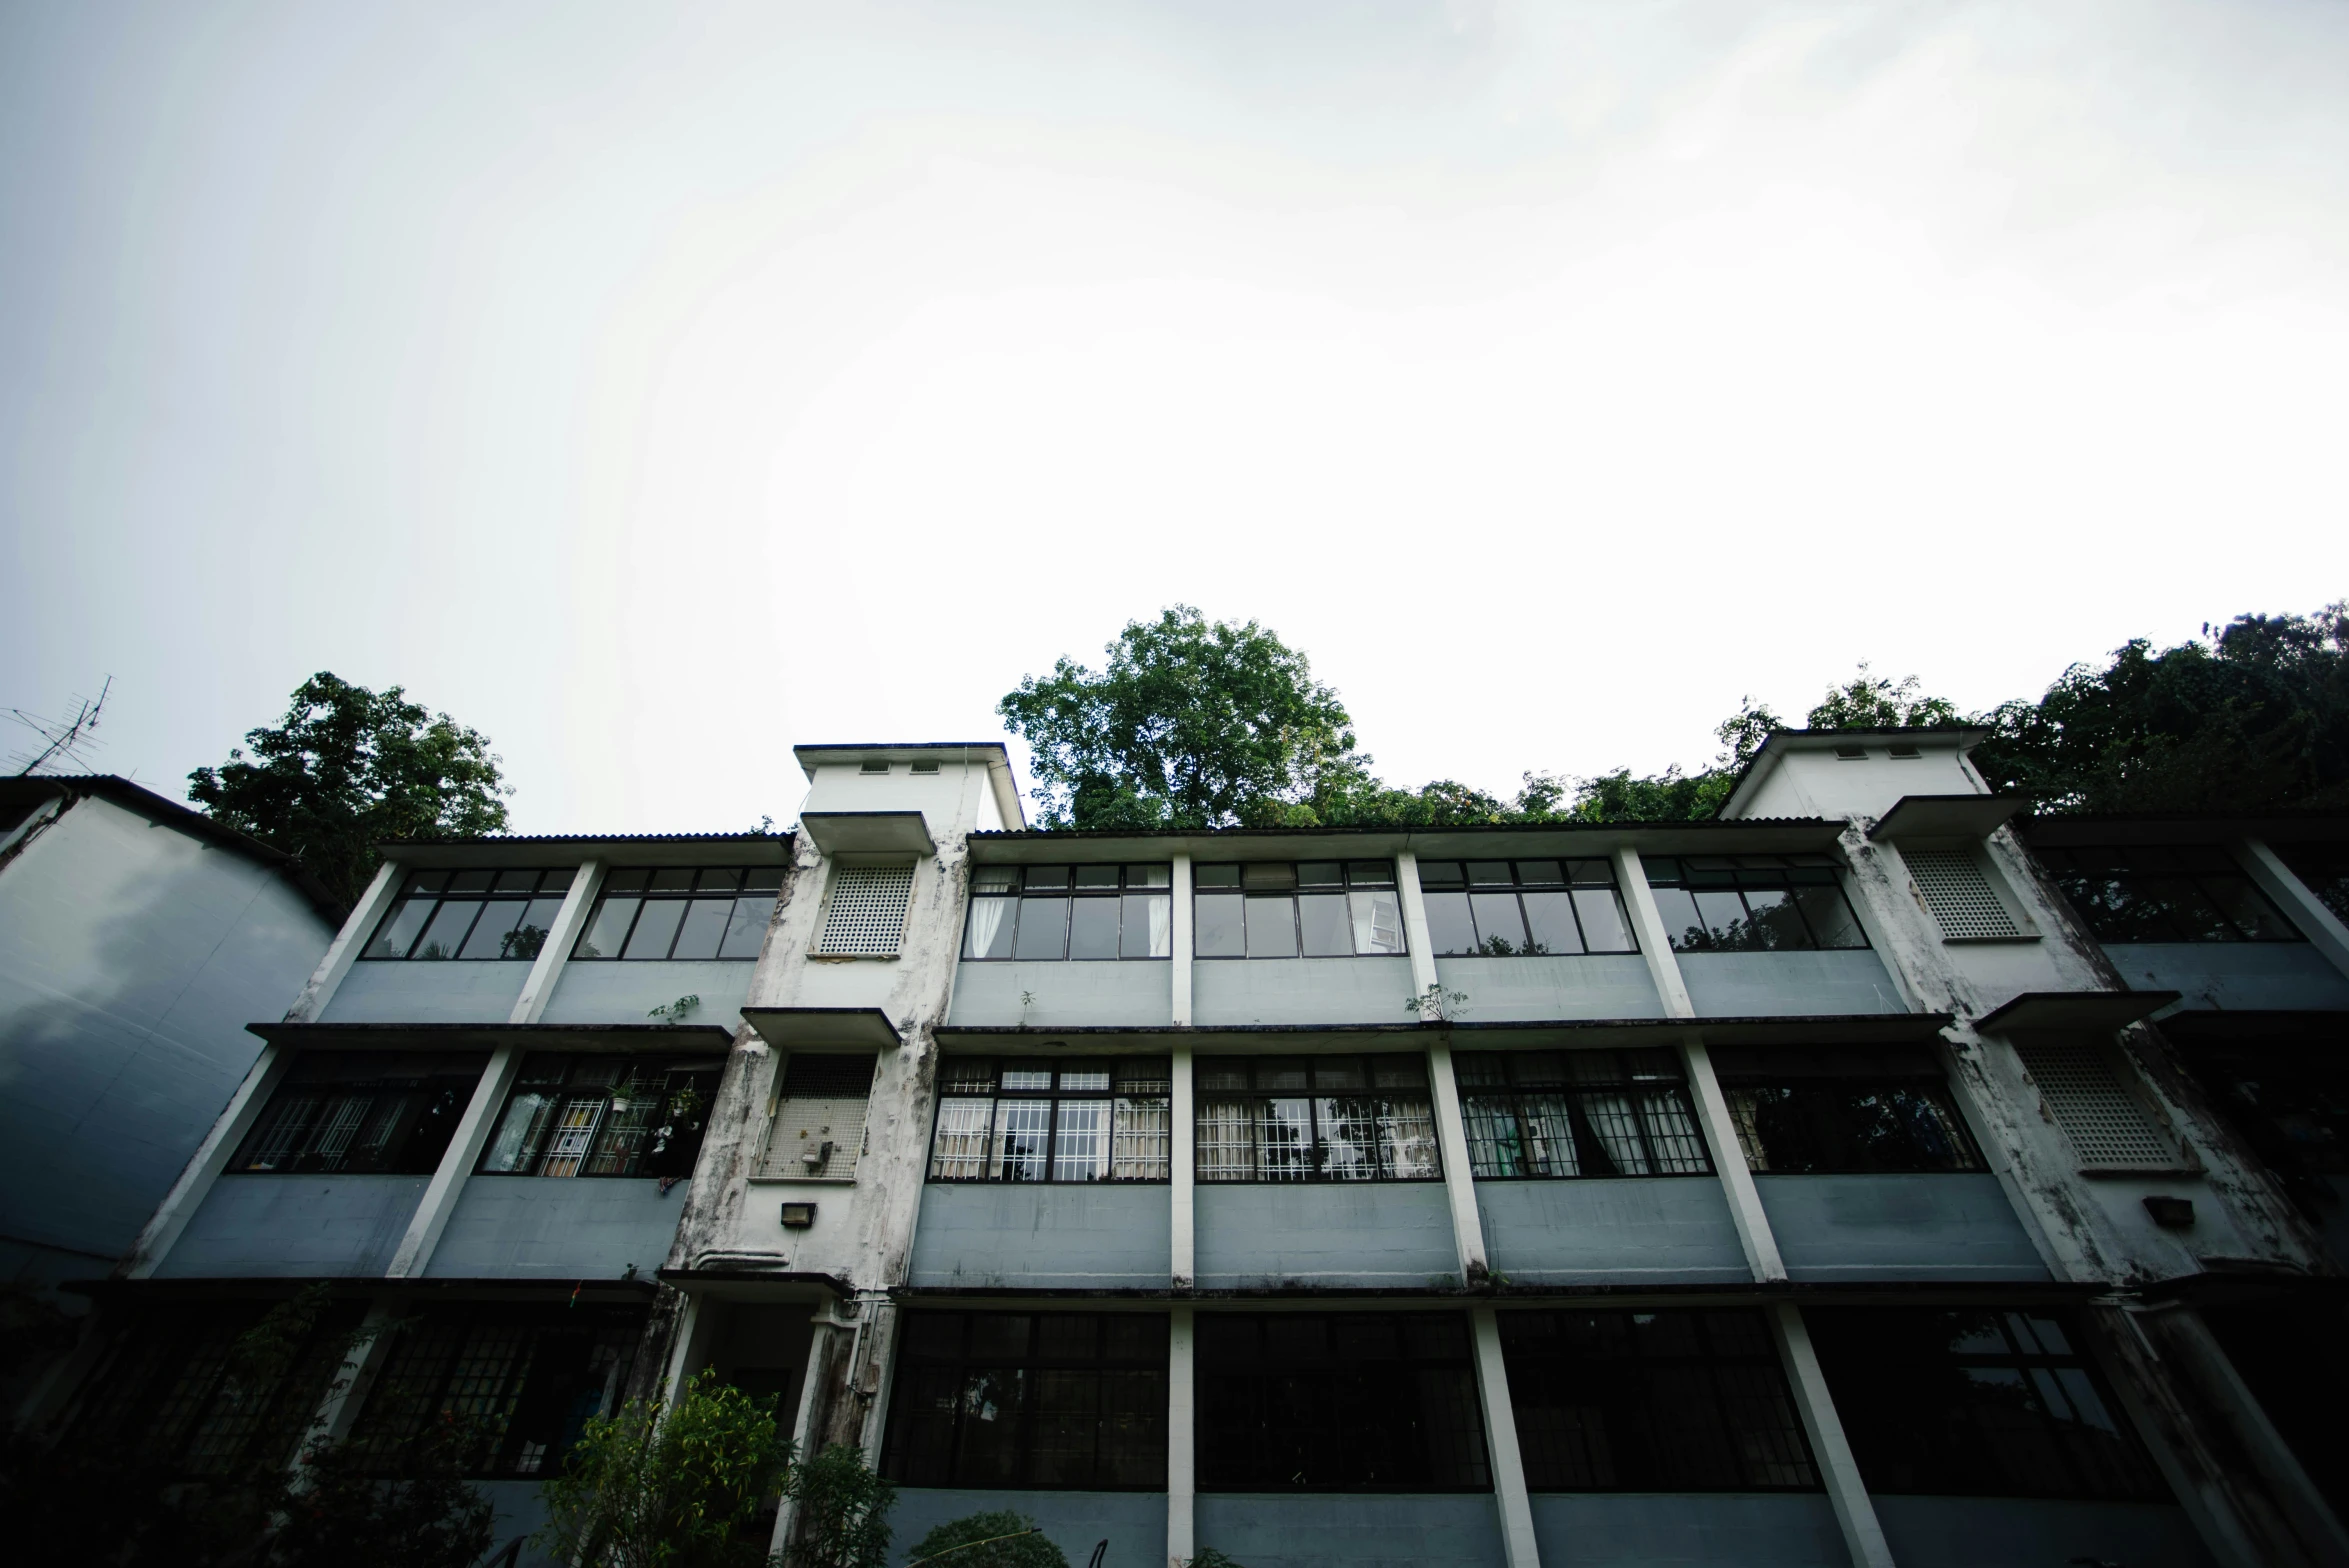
1864, 1176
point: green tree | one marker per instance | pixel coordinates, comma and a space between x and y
843, 1512
676, 1488
1674, 796
1873, 702
345, 1514
349, 768
1000, 1539
1189, 725
2253, 717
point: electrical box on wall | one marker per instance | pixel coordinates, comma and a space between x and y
798, 1216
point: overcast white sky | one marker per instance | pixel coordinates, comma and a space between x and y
656, 387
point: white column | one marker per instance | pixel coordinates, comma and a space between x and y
1183, 1167
1704, 1089
347, 1392
1855, 1515
1451, 1127
2321, 926
680, 1352
561, 937
1182, 1438
1182, 941
1415, 937
1500, 1441
347, 945
171, 1216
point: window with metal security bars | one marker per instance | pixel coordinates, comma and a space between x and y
2108, 1128
1578, 1113
596, 1115
1325, 1118
360, 1113
1052, 1121
821, 1114
866, 916
1959, 895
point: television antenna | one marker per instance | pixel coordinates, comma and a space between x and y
62, 738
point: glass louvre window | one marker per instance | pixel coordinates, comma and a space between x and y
1081, 912
1578, 1113
1052, 1120
360, 1113
1975, 1402
2324, 869
1751, 903
1807, 1112
2165, 893
1507, 908
1073, 1400
1320, 1118
683, 912
1653, 1402
603, 1116
471, 914
1313, 909
1338, 1402
522, 1382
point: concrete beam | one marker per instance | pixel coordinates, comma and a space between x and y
1459, 1177
1182, 1438
1510, 1496
179, 1205
1415, 938
347, 945
1183, 1170
2320, 925
1847, 1494
1181, 881
547, 969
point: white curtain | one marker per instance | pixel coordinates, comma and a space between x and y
987, 920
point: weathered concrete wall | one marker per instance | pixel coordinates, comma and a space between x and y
1134, 1523
1964, 1532
1044, 1236
1443, 1529
2235, 976
1300, 990
1943, 1225
1394, 1234
131, 958
1067, 995
295, 1227
1746, 1529
1664, 1229
1515, 990
626, 993
382, 991
550, 1227
1777, 985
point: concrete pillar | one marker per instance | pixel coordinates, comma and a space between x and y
1459, 1178
826, 1346
2320, 925
347, 945
1500, 1439
682, 1350
547, 968
1182, 1438
1183, 1170
179, 1205
346, 1394
1415, 938
1655, 943
1181, 881
1855, 1514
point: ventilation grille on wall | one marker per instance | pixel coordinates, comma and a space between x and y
868, 909
2108, 1128
1958, 894
824, 1100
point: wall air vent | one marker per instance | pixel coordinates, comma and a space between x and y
2108, 1128
1959, 895
867, 913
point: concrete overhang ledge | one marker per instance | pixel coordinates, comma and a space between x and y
1946, 816
2075, 1010
810, 1028
868, 832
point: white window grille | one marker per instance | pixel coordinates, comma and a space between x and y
1960, 897
2108, 1128
867, 914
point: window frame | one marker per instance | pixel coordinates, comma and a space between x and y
1258, 1101
1352, 876
1669, 878
1135, 1088
1644, 1078
1028, 886
750, 901
565, 1080
1747, 1072
2068, 867
411, 1109
1447, 879
435, 888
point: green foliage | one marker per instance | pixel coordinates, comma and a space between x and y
347, 1516
1873, 702
1209, 1557
1674, 796
843, 1512
1011, 1541
347, 769
2254, 717
648, 1488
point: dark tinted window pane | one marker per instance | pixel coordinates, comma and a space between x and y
1320, 873
492, 935
1775, 922
398, 932
1489, 873
1440, 873
677, 880
607, 930
1327, 931
1682, 923
1721, 914
1605, 927
655, 928
1500, 929
1096, 876
1549, 919
1215, 876
1268, 878
1830, 918
1043, 928
1048, 879
704, 928
747, 927
1222, 926
1092, 931
446, 935
1448, 925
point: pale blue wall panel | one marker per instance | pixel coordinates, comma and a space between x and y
295, 1227
1519, 990
550, 1227
1134, 1523
1624, 1230
1300, 991
1392, 1234
1064, 995
1687, 1530
1776, 985
1044, 1236
620, 992
1412, 1530
1966, 1532
2236, 976
1946, 1225
452, 991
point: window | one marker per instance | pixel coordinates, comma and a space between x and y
865, 915
1322, 1118
1804, 1112
2290, 1100
1338, 1402
1959, 895
1509, 907
1052, 1121
2324, 869
2108, 1129
471, 914
1317, 909
2165, 893
1976, 1403
360, 1113
603, 1116
682, 912
1087, 912
523, 1380
1578, 1113
1653, 1402
820, 1112
1030, 1400
1751, 903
